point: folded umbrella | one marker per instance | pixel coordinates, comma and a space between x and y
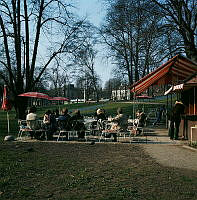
6, 105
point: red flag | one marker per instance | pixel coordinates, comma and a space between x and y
6, 104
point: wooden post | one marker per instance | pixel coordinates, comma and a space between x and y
194, 100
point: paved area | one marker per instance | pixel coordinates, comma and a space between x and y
168, 152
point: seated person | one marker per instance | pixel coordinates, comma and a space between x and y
56, 113
31, 114
77, 124
49, 123
141, 118
31, 120
46, 119
53, 122
100, 116
64, 120
120, 124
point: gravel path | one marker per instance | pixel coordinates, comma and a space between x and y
171, 153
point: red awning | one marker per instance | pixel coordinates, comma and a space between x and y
172, 72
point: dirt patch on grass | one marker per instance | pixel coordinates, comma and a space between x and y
84, 171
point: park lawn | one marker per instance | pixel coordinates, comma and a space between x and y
76, 170
80, 170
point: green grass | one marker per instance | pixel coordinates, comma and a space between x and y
42, 170
77, 170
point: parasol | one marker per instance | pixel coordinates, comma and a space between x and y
58, 99
35, 95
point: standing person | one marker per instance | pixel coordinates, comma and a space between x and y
175, 119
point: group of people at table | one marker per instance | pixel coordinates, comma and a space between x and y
53, 121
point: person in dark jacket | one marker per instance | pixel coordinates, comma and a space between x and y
77, 124
175, 119
65, 118
100, 114
100, 117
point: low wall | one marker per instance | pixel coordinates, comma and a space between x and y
187, 122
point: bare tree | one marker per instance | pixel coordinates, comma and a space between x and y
83, 59
182, 14
137, 37
112, 84
131, 33
27, 28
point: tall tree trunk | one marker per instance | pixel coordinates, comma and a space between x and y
20, 105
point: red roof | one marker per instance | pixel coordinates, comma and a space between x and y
172, 72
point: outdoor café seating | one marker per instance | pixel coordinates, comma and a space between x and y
92, 130
23, 129
33, 128
69, 129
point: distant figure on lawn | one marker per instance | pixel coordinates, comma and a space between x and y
159, 114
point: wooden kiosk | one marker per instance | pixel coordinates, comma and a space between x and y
181, 74
188, 127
